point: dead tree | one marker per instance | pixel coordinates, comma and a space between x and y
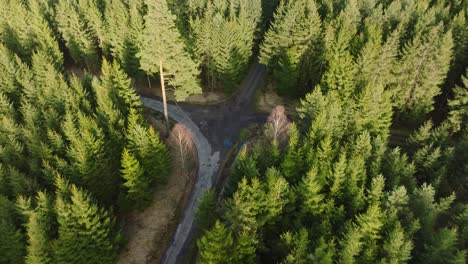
277, 125
181, 137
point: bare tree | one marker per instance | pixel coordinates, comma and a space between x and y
181, 137
278, 124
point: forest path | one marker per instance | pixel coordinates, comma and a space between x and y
221, 124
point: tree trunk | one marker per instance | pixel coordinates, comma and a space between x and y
163, 90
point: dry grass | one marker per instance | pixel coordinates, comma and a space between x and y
149, 232
267, 99
207, 97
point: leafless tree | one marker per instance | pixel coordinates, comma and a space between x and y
181, 137
278, 124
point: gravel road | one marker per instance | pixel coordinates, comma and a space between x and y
222, 122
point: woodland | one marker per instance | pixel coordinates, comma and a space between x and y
327, 182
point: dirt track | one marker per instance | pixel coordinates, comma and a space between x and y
214, 127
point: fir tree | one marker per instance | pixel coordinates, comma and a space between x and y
77, 25
137, 188
206, 211
40, 228
424, 65
12, 248
162, 50
216, 245
292, 36
458, 114
86, 232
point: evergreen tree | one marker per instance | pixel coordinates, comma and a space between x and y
11, 239
79, 23
206, 211
424, 65
39, 227
292, 165
299, 246
224, 35
293, 36
442, 248
123, 23
216, 245
144, 143
85, 232
138, 189
162, 50
458, 114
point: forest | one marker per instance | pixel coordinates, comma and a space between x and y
372, 167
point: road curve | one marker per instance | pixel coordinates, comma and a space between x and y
208, 165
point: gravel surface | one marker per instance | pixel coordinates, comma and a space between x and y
220, 123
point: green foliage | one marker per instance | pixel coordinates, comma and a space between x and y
80, 23
162, 46
216, 245
425, 63
85, 231
138, 189
206, 211
293, 38
40, 228
458, 115
12, 248
223, 36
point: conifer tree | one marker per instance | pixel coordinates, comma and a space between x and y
40, 228
162, 50
292, 165
11, 239
78, 23
89, 160
442, 248
458, 114
292, 36
145, 144
123, 23
298, 244
206, 211
216, 245
137, 188
424, 65
224, 35
86, 232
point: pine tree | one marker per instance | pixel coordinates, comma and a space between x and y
423, 67
311, 192
298, 244
89, 160
39, 227
137, 188
292, 36
162, 50
292, 165
206, 211
123, 23
216, 245
150, 151
78, 22
11, 239
458, 115
442, 248
397, 247
224, 35
86, 232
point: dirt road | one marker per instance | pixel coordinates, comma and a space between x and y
220, 124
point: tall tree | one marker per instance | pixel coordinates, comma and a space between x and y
293, 36
86, 232
163, 50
